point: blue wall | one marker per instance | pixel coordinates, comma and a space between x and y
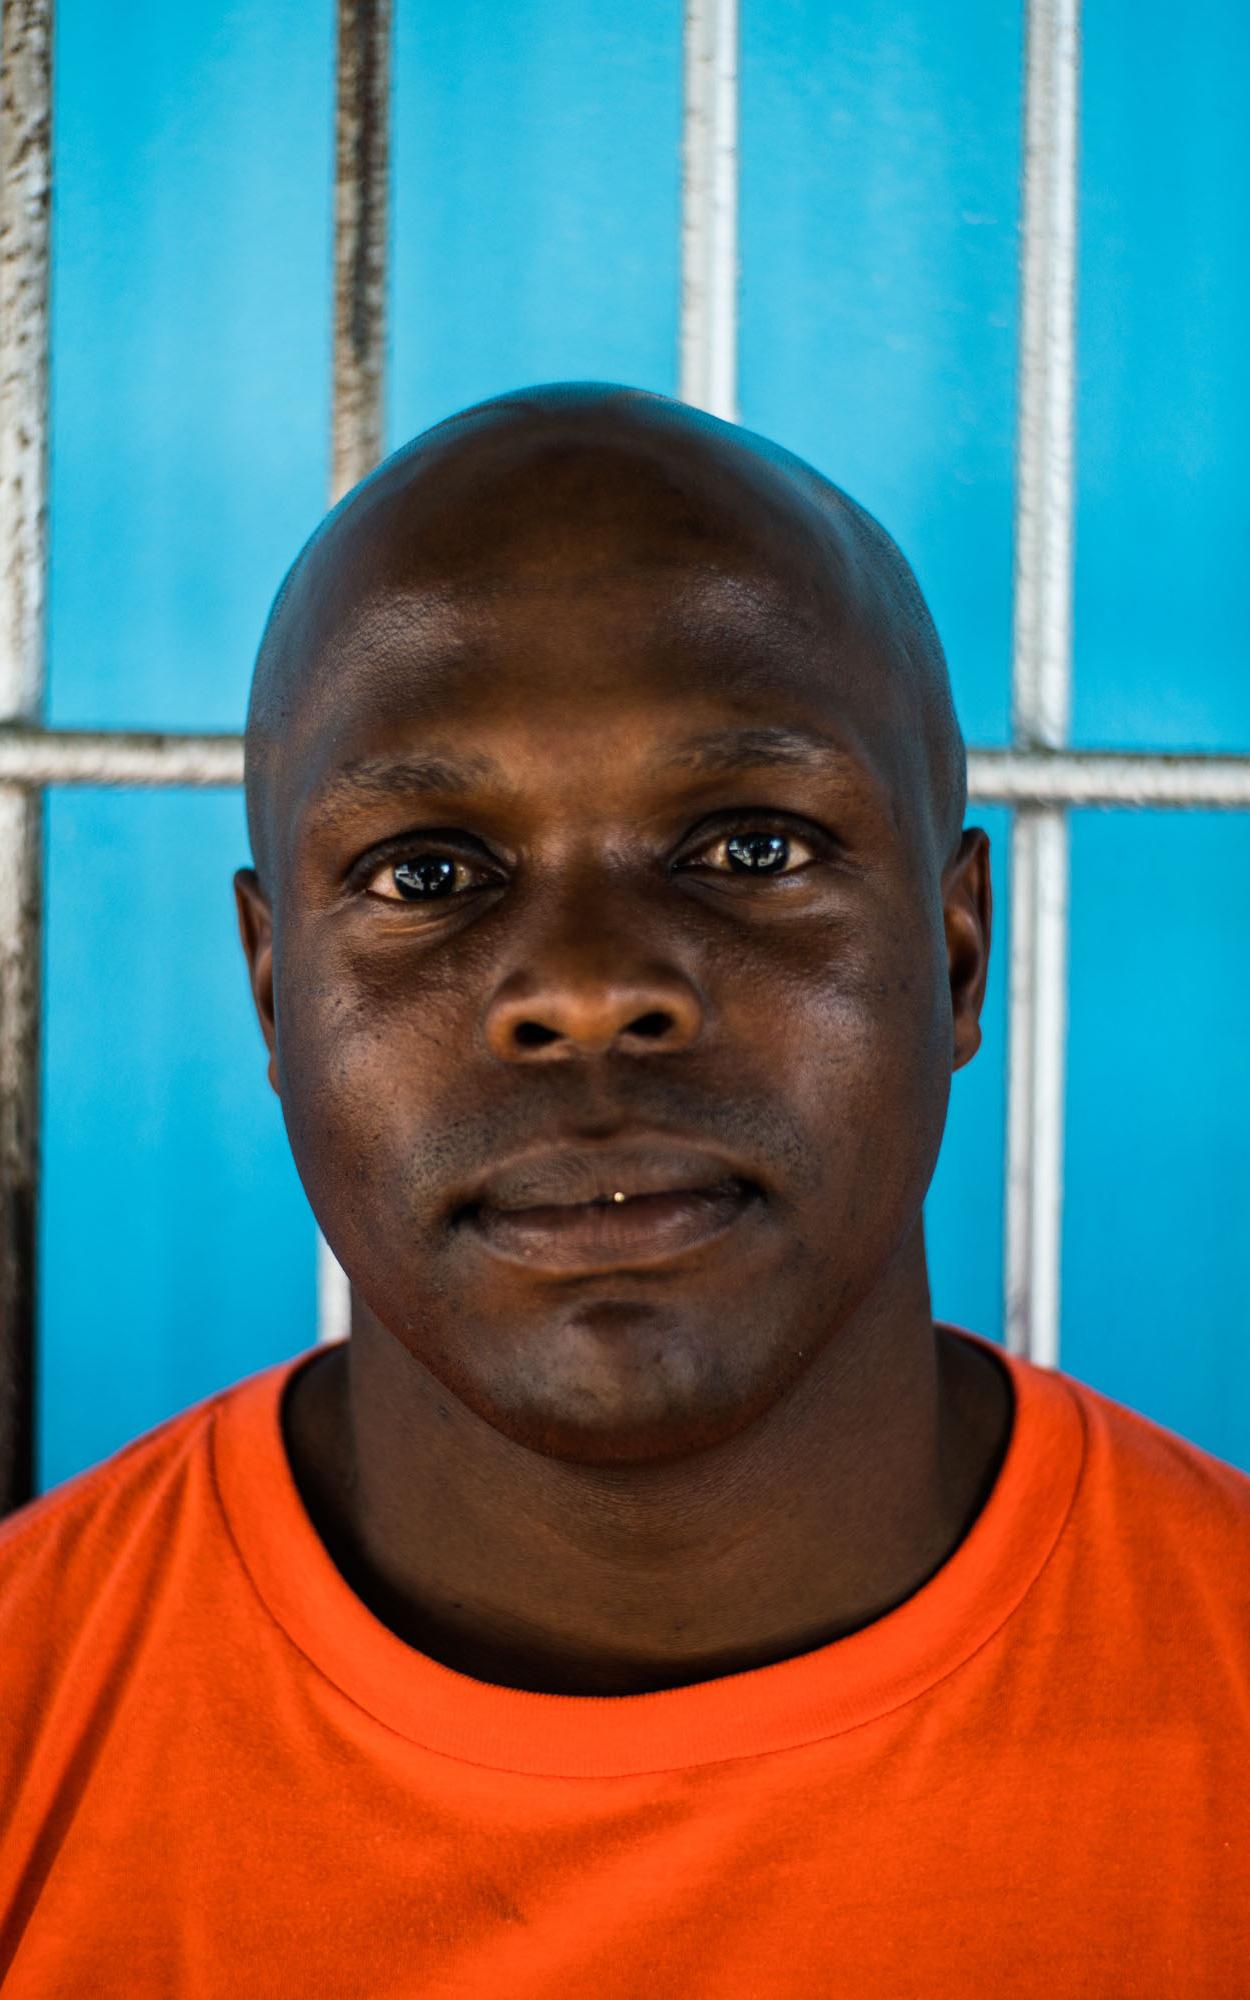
537, 187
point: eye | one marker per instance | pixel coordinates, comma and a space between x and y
424, 875
758, 850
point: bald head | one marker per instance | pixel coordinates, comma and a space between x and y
605, 789
553, 493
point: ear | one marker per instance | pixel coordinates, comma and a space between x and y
967, 903
256, 932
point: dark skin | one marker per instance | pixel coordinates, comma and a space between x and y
668, 897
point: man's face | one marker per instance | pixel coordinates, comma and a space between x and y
604, 877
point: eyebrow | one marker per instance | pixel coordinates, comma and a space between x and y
735, 749
376, 779
372, 780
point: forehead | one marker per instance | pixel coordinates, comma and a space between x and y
578, 599
634, 656
597, 636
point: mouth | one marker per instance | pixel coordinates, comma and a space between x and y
612, 1235
580, 1211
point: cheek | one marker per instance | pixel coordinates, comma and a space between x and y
866, 992
360, 1058
855, 1029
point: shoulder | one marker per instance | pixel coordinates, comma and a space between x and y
95, 1550
1167, 1519
101, 1580
60, 1545
1144, 1458
82, 1572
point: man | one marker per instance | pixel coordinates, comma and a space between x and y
648, 1598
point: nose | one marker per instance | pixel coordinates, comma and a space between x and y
589, 1001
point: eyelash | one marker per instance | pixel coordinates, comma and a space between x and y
439, 846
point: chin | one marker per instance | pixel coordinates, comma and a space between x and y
615, 1382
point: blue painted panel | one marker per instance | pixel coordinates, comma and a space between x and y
1163, 406
964, 1211
191, 346
1157, 1215
537, 200
178, 1248
879, 202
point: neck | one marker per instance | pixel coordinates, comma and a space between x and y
818, 1519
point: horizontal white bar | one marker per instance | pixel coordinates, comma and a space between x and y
118, 757
995, 777
1107, 778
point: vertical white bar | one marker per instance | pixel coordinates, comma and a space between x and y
361, 180
708, 375
334, 1295
25, 215
1042, 680
1038, 1032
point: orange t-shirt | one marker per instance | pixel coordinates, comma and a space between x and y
220, 1775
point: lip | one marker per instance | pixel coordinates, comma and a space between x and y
586, 1236
556, 1211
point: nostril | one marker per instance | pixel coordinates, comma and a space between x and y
651, 1026
533, 1035
563, 1024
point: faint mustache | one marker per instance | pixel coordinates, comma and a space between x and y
758, 1131
569, 1175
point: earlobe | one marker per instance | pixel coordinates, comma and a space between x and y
968, 909
256, 935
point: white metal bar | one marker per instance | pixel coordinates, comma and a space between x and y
334, 1295
709, 217
138, 757
361, 179
25, 212
1041, 682
1042, 669
1056, 778
1038, 1034
34, 757
357, 421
